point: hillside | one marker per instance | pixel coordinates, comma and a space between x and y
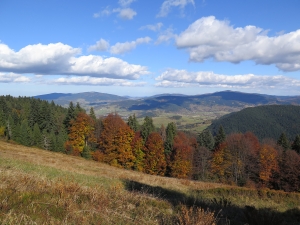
42, 187
264, 121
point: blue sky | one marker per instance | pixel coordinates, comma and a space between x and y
143, 47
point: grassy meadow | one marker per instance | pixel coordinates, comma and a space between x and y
42, 187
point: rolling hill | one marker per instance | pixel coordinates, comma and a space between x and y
267, 121
43, 187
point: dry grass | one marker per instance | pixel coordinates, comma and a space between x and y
81, 166
42, 187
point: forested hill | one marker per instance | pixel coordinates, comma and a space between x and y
264, 121
33, 122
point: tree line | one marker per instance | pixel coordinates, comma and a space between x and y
237, 158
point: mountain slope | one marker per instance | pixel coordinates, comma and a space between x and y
264, 121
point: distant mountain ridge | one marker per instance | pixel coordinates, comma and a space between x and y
173, 102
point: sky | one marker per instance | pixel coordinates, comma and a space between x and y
142, 48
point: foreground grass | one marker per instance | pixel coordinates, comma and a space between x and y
41, 187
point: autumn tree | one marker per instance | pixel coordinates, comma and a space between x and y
81, 132
137, 146
115, 142
267, 163
181, 158
154, 162
201, 163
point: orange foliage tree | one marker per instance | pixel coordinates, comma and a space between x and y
181, 159
267, 162
154, 161
81, 133
115, 142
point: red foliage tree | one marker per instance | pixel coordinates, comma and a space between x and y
154, 161
182, 155
115, 142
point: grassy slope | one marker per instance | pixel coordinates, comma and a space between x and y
46, 187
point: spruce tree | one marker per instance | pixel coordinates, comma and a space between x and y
170, 135
147, 128
206, 139
133, 123
283, 141
220, 137
69, 117
92, 114
36, 136
296, 144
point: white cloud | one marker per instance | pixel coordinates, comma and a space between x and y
104, 12
153, 27
13, 78
121, 48
86, 80
165, 36
125, 3
183, 78
212, 38
101, 45
61, 59
125, 13
168, 4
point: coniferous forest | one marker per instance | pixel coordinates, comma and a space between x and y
237, 158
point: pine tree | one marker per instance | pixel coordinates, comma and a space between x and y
283, 141
92, 114
296, 144
206, 139
36, 136
69, 117
147, 128
220, 137
170, 135
133, 123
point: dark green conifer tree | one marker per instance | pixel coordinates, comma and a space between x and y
133, 123
206, 139
170, 135
283, 141
220, 137
147, 128
296, 144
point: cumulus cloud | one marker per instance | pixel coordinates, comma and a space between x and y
101, 45
183, 78
125, 13
121, 48
86, 80
168, 4
212, 38
125, 3
13, 78
165, 36
61, 59
153, 27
